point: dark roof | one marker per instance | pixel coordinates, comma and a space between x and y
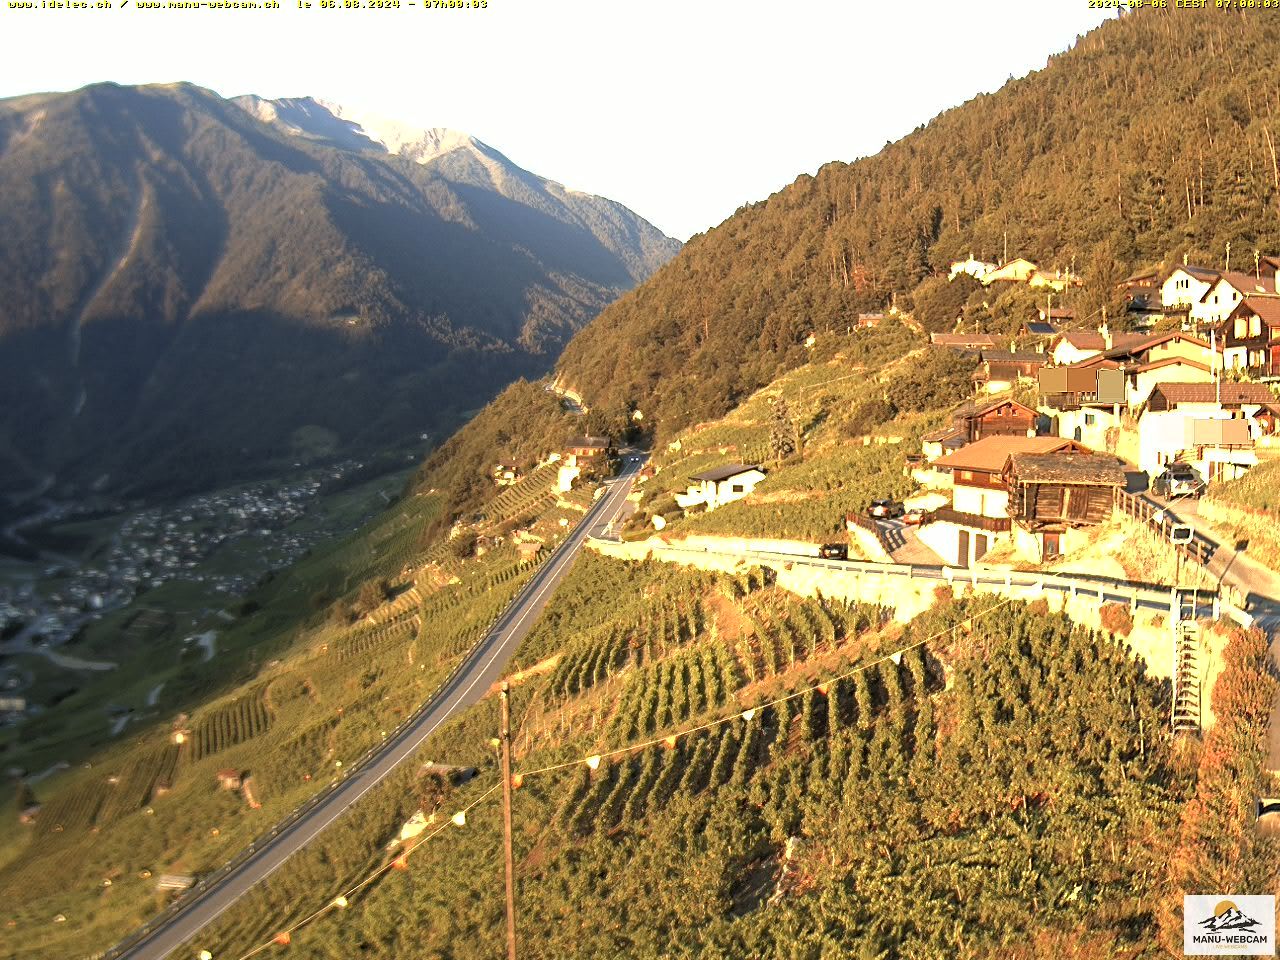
1009, 356
1091, 469
717, 474
1231, 393
1040, 328
942, 435
1207, 274
602, 442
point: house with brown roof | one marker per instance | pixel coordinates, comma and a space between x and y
1055, 497
978, 517
973, 421
1226, 293
1251, 336
1213, 426
1001, 370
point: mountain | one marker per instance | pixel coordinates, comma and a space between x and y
466, 162
192, 294
1119, 153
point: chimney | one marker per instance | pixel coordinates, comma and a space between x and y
1105, 330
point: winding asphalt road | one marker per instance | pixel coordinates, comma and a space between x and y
485, 665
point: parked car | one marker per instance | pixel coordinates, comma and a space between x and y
833, 551
1178, 480
913, 516
886, 509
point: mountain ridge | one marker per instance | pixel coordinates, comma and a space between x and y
187, 287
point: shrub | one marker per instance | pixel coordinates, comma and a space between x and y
1116, 619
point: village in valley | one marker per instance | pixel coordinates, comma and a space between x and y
132, 553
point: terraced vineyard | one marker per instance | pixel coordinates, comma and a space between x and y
230, 724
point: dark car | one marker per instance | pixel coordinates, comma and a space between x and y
1178, 480
833, 551
886, 509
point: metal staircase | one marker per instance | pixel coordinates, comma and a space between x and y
1186, 665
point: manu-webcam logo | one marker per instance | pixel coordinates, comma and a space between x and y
1214, 926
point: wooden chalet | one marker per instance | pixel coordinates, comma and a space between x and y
1005, 368
1051, 494
584, 448
998, 418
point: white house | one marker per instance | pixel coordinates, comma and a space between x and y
1186, 285
974, 268
1226, 293
714, 488
1213, 426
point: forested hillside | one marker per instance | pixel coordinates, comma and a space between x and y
1126, 150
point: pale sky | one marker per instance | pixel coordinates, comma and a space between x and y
683, 111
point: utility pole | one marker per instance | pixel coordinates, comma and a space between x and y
505, 737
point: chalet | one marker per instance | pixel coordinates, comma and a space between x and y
978, 517
977, 269
1054, 496
1018, 270
1251, 336
588, 448
1140, 280
1213, 426
229, 779
995, 418
999, 370
1226, 293
1186, 285
869, 321
714, 488
1072, 346
1057, 280
1131, 349
964, 341
938, 443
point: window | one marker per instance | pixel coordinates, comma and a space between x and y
1089, 419
738, 488
1255, 326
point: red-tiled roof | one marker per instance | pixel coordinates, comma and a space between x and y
1171, 361
1231, 393
1268, 308
1247, 283
1085, 339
